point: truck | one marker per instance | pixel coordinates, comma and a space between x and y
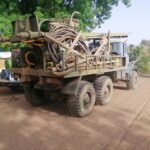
6, 77
58, 60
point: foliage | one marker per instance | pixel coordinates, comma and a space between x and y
144, 63
142, 56
93, 12
6, 28
135, 52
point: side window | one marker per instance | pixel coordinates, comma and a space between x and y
115, 47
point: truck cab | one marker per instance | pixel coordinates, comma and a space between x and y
120, 48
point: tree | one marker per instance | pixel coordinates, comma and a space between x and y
93, 12
144, 63
135, 52
142, 56
145, 42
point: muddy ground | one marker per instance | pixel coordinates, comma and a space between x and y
124, 124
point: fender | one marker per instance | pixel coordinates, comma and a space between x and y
71, 88
132, 66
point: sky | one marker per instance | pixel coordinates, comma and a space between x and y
134, 20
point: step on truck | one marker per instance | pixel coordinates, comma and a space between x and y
59, 61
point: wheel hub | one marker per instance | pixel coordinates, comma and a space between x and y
106, 92
87, 100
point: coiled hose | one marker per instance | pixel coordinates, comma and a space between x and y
65, 34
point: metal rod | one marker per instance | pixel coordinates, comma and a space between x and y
76, 63
63, 61
96, 61
86, 62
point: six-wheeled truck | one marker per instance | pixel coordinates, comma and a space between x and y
59, 60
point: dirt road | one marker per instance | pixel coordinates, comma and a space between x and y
124, 124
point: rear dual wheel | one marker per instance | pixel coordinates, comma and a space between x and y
82, 103
34, 96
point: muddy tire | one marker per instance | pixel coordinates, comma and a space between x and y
104, 90
34, 96
82, 103
132, 84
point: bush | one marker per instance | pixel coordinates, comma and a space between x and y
142, 55
144, 63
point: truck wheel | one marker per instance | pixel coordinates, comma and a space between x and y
34, 96
104, 90
16, 88
133, 82
82, 103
